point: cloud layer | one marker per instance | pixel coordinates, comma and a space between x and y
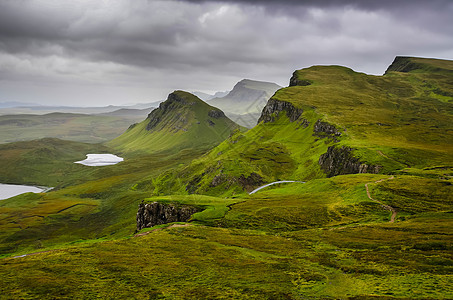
113, 52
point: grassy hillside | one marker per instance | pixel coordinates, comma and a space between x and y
385, 235
291, 242
183, 121
67, 126
87, 202
392, 121
48, 162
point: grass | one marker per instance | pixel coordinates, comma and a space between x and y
73, 127
214, 208
187, 124
324, 239
88, 203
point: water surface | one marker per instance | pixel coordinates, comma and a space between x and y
11, 190
98, 160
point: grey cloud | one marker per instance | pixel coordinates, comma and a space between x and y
157, 46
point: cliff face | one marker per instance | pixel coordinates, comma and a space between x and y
156, 213
323, 129
173, 103
340, 161
273, 109
296, 81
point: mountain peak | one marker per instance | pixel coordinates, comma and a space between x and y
182, 121
408, 64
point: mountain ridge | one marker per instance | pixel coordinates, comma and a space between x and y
182, 121
381, 125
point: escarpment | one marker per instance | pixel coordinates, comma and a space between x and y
325, 130
173, 103
151, 214
296, 81
340, 161
273, 109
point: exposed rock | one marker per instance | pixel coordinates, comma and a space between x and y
132, 126
273, 109
172, 103
340, 161
295, 81
216, 114
250, 182
194, 184
218, 180
324, 129
303, 123
156, 213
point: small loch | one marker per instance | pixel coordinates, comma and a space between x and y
11, 190
99, 160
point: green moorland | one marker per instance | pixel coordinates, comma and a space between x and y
394, 121
352, 236
66, 126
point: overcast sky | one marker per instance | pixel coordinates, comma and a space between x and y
104, 52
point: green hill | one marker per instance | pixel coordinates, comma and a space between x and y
182, 121
372, 219
332, 121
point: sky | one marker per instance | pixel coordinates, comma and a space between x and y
117, 52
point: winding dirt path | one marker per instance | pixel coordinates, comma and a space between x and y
385, 206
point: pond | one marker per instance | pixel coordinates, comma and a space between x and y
11, 190
98, 160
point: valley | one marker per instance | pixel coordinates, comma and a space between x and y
343, 190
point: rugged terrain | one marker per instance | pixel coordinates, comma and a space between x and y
182, 121
372, 221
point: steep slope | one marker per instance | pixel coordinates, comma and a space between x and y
246, 100
182, 121
333, 121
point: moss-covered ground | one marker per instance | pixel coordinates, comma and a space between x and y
320, 240
323, 239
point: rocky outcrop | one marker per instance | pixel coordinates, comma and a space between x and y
324, 129
250, 182
273, 109
156, 213
340, 161
216, 114
172, 104
296, 81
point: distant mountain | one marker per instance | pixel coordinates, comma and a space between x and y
245, 102
41, 109
207, 97
129, 112
182, 121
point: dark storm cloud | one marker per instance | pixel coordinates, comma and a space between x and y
151, 47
